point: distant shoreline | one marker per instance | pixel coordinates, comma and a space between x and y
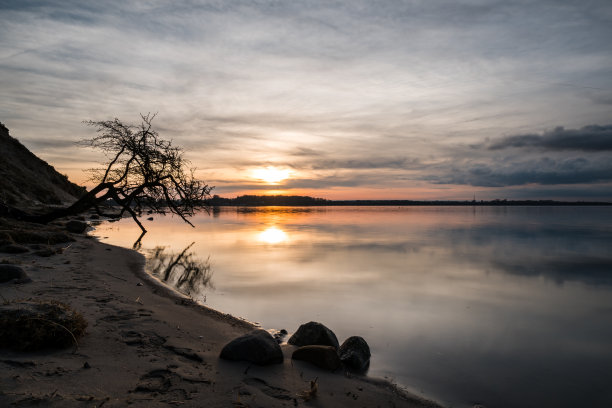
305, 201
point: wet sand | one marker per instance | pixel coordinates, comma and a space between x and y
147, 346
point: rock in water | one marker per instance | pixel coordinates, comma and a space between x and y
314, 333
355, 353
13, 272
257, 347
76, 226
322, 356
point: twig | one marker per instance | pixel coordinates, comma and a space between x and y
76, 343
117, 277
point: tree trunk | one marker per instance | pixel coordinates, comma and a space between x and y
83, 204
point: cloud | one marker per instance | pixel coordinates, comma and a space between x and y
545, 171
593, 138
367, 163
347, 93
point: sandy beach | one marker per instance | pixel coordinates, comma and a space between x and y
147, 346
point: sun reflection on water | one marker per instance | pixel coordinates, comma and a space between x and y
272, 235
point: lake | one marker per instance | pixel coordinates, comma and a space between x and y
499, 306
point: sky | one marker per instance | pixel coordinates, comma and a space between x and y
350, 99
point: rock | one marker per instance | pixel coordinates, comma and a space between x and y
325, 357
279, 335
45, 251
76, 226
355, 354
13, 272
5, 238
13, 249
22, 236
257, 347
314, 333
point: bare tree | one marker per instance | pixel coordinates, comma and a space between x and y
143, 172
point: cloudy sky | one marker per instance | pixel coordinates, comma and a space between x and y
422, 99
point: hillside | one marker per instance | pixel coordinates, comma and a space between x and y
26, 180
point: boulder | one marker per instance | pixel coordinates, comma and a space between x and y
13, 273
13, 249
355, 354
325, 357
5, 238
45, 251
76, 226
257, 347
22, 236
314, 333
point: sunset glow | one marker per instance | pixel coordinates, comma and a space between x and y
271, 174
341, 100
272, 235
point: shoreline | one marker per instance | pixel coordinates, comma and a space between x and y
163, 347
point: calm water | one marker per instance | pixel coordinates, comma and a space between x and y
505, 307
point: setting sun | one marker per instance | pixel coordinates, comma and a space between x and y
271, 174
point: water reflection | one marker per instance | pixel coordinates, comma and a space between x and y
272, 235
464, 305
184, 271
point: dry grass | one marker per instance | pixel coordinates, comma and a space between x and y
28, 325
307, 395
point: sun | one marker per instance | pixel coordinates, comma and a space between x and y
271, 174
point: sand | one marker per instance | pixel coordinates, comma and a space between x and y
147, 346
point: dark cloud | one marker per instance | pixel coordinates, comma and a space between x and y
306, 152
592, 192
592, 138
545, 171
365, 163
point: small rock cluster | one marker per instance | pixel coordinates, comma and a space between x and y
315, 344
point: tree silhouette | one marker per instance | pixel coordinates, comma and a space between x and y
143, 172
189, 274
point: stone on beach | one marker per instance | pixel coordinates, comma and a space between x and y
13, 249
325, 357
13, 273
314, 333
76, 226
355, 353
257, 347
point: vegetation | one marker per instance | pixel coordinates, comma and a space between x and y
28, 325
143, 172
282, 200
258, 200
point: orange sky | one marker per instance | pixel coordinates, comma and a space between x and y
352, 99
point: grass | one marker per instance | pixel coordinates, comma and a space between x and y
27, 325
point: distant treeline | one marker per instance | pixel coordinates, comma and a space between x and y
304, 201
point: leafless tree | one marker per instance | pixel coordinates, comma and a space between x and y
143, 173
